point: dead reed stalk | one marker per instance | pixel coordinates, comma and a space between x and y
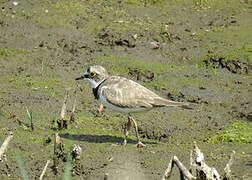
5, 144
62, 123
44, 170
198, 168
74, 106
57, 145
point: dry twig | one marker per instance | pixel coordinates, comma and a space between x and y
202, 169
227, 170
184, 173
44, 170
74, 106
62, 122
199, 169
55, 154
5, 144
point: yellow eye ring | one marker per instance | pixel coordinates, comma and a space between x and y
92, 74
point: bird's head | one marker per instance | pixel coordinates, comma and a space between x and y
95, 74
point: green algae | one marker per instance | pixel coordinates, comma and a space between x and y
122, 65
238, 132
11, 52
28, 83
62, 13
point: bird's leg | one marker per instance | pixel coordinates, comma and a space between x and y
101, 109
139, 143
127, 128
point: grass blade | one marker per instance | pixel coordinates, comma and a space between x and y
21, 166
68, 167
30, 118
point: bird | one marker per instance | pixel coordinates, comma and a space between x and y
124, 95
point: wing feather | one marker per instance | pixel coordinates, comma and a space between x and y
127, 93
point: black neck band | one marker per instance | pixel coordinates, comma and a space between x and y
95, 90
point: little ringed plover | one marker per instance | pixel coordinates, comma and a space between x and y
124, 95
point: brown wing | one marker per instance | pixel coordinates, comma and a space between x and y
129, 94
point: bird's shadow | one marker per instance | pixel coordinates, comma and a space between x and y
99, 138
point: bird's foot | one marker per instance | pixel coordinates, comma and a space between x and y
101, 109
140, 144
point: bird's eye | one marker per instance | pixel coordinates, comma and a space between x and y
92, 74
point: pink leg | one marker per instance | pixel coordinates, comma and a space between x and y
139, 143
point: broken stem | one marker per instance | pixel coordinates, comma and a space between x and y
168, 170
56, 146
183, 171
62, 122
44, 170
227, 169
74, 106
63, 109
5, 144
199, 167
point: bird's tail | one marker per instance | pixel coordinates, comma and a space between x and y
165, 102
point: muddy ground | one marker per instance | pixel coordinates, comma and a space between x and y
192, 51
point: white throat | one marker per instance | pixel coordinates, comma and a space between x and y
94, 84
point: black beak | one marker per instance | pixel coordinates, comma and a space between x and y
82, 77
79, 78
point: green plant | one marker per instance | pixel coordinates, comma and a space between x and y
239, 132
42, 69
21, 165
68, 167
29, 114
24, 127
214, 71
